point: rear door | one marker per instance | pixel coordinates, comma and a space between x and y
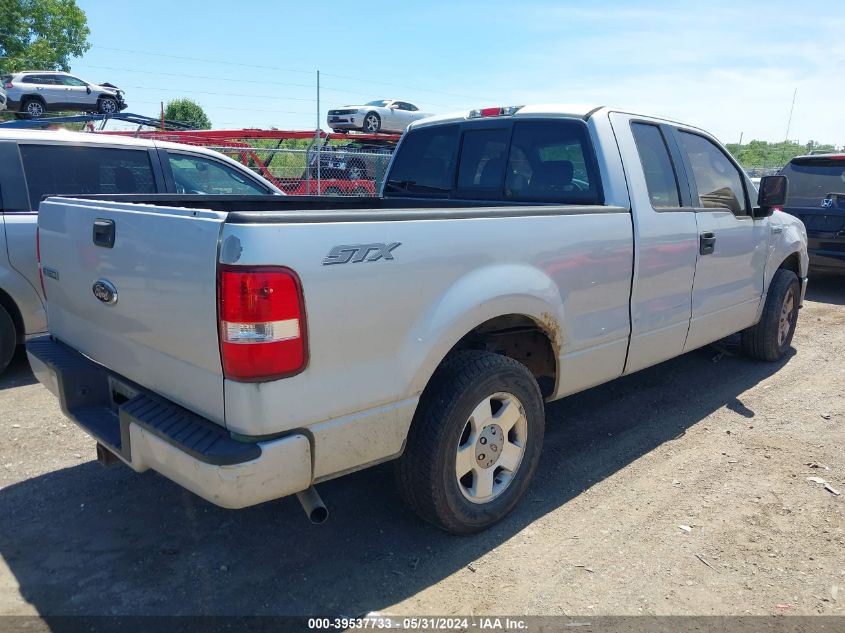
160, 329
733, 246
666, 239
48, 86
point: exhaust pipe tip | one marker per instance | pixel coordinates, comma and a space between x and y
105, 456
313, 505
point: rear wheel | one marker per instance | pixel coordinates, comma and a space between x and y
356, 171
34, 108
332, 191
474, 443
8, 339
772, 336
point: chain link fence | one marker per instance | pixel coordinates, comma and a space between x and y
350, 168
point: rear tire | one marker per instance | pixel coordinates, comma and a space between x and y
474, 443
770, 339
33, 107
8, 339
356, 171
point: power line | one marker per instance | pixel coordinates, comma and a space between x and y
221, 94
207, 61
239, 109
292, 70
249, 81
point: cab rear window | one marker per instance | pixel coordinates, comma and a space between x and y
518, 161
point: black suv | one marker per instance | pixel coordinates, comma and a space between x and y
816, 195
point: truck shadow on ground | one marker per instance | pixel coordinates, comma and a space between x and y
826, 288
18, 373
90, 540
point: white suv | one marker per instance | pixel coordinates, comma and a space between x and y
36, 92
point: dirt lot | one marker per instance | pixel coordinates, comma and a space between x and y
715, 443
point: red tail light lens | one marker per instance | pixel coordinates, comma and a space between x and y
262, 323
8, 85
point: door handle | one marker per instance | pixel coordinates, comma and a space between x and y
104, 233
706, 243
777, 229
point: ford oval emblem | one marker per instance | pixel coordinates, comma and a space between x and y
105, 291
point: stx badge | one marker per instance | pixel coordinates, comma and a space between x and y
357, 253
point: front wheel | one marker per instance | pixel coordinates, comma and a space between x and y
474, 443
107, 105
771, 337
372, 123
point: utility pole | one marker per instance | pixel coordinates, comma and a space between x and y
317, 133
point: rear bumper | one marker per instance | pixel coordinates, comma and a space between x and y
146, 431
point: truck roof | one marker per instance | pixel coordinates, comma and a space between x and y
579, 110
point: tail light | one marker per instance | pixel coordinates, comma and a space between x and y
262, 323
8, 85
38, 259
487, 112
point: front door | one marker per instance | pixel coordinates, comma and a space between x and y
733, 246
77, 95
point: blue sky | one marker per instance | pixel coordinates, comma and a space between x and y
729, 67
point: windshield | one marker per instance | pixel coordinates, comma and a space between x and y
381, 103
811, 179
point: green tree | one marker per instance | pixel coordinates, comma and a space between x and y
41, 34
761, 154
187, 111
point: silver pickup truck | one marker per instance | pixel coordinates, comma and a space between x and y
250, 348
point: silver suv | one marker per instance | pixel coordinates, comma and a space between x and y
35, 92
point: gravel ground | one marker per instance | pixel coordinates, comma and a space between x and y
682, 489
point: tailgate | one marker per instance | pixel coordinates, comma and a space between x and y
159, 329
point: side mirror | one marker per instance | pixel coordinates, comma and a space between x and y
772, 194
88, 89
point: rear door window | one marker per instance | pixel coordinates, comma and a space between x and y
657, 166
426, 163
68, 169
552, 161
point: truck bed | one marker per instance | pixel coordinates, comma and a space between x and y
265, 210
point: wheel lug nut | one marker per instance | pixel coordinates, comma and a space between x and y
483, 440
481, 457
